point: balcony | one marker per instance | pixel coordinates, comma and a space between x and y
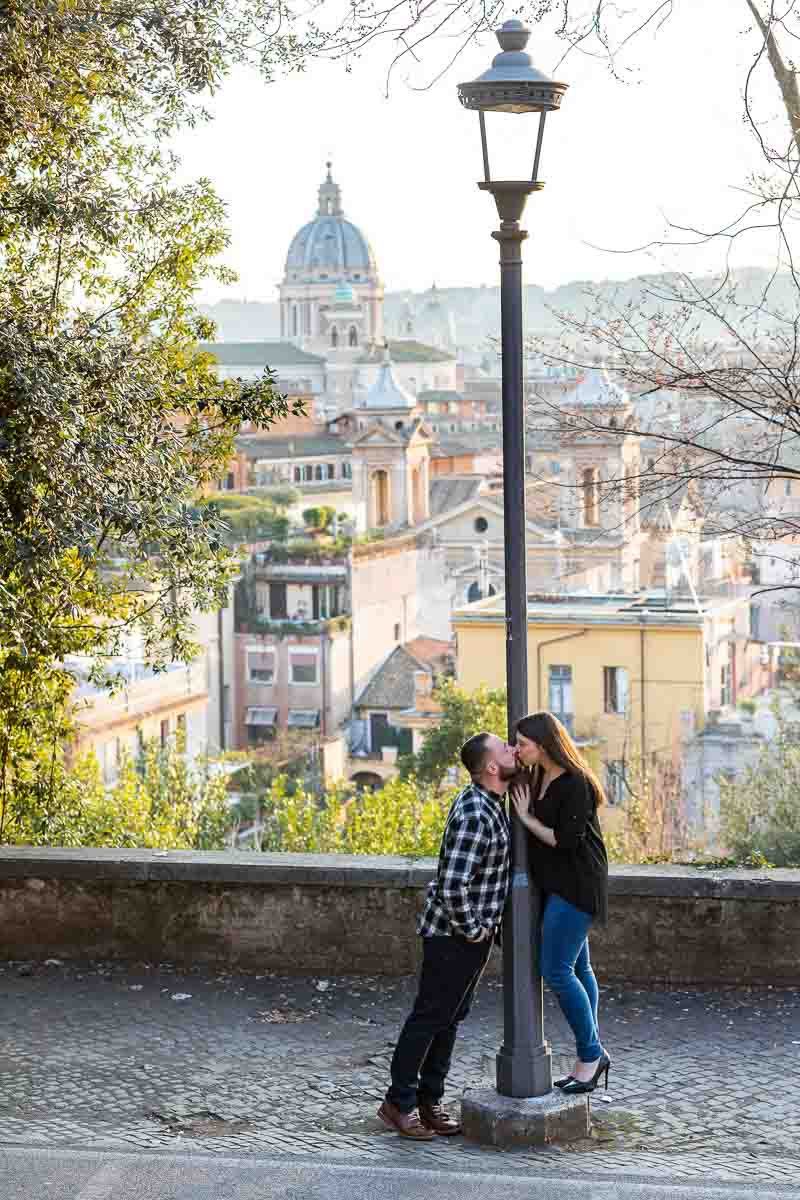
283, 627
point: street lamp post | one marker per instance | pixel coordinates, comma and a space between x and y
514, 85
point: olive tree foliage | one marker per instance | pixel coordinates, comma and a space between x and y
111, 421
463, 714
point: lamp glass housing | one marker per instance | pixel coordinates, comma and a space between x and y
515, 86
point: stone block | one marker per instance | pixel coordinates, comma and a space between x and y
508, 1122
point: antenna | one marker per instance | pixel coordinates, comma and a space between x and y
684, 563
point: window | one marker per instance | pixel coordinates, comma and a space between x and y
352, 336
308, 474
302, 666
318, 472
164, 732
324, 601
397, 631
591, 496
380, 499
560, 694
615, 690
334, 337
616, 781
755, 614
481, 524
725, 695
260, 666
331, 470
555, 467
277, 602
298, 474
347, 471
787, 487
303, 718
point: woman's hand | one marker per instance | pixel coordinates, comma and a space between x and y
520, 798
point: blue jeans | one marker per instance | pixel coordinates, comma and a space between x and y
565, 965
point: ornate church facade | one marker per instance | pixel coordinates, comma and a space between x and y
331, 306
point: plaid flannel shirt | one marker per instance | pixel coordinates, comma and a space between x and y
471, 884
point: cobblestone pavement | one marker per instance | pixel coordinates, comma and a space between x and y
704, 1084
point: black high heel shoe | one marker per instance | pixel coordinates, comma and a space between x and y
563, 1081
576, 1087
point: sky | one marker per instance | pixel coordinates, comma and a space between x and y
619, 160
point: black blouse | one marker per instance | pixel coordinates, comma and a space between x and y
577, 867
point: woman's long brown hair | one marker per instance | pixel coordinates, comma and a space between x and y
548, 732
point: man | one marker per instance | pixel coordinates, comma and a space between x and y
462, 912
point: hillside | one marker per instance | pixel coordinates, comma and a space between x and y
476, 311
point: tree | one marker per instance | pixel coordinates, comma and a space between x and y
158, 801
463, 714
111, 419
320, 517
247, 518
760, 810
712, 363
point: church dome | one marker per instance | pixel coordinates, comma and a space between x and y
330, 245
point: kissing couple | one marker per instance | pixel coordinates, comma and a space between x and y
556, 795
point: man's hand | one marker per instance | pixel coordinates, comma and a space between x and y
482, 936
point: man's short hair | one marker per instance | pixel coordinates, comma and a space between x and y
474, 753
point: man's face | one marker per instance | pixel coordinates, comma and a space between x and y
503, 758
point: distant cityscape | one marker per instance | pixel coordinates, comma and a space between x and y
372, 566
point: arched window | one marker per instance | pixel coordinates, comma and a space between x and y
380, 498
481, 524
352, 337
334, 337
473, 592
591, 496
318, 472
418, 497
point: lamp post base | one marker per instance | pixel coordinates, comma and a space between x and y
524, 1074
495, 1120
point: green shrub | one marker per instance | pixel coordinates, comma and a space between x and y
760, 809
400, 818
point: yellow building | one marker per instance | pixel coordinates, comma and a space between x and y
629, 673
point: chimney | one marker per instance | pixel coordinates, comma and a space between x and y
423, 687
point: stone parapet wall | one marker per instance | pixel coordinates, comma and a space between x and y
336, 914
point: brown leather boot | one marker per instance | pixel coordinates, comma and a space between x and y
408, 1125
434, 1117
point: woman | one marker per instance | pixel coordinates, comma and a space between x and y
558, 803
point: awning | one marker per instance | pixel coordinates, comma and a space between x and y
303, 718
261, 716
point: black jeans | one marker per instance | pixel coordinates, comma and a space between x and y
451, 968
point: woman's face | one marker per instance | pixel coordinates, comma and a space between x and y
529, 753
